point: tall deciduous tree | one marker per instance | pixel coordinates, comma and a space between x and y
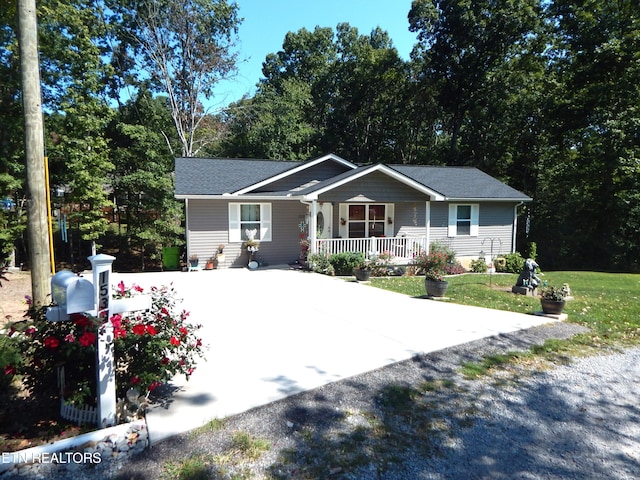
590, 178
74, 34
12, 173
324, 91
142, 180
184, 47
479, 57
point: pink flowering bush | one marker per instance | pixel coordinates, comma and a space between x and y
150, 348
438, 262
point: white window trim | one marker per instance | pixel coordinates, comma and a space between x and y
235, 235
453, 219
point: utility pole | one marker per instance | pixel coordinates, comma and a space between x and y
37, 226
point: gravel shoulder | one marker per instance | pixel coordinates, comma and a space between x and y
420, 419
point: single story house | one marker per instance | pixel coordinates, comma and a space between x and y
329, 205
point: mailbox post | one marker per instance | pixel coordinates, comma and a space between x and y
74, 295
106, 369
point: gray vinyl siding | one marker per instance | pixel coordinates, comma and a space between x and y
285, 245
410, 219
209, 223
495, 221
207, 228
376, 187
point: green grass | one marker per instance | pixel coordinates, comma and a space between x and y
607, 303
229, 465
194, 467
248, 446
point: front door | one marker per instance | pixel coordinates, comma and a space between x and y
324, 220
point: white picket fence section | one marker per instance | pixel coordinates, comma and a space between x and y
79, 415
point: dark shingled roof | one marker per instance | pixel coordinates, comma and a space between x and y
215, 176
460, 182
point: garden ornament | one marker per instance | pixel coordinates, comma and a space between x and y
528, 277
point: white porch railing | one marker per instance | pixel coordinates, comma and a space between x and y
399, 247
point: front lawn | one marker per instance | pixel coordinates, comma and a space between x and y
608, 303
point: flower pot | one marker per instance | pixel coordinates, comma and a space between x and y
362, 275
552, 307
436, 288
209, 265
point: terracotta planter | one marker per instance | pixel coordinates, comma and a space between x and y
362, 275
552, 307
436, 288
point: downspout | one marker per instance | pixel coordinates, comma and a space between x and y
515, 227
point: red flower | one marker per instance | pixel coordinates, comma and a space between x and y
87, 339
165, 361
139, 329
116, 320
183, 331
80, 320
154, 385
174, 341
9, 370
118, 331
30, 331
190, 371
165, 311
135, 380
70, 338
121, 288
138, 288
51, 342
151, 330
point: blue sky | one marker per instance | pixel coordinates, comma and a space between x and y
266, 23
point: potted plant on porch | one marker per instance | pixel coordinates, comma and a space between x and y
220, 255
552, 300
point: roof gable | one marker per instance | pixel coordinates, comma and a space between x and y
360, 172
310, 172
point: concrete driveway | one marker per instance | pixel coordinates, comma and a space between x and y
276, 332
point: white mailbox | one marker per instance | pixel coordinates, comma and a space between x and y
72, 294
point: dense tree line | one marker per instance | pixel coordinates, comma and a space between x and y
543, 95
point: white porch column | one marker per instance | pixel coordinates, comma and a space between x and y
428, 223
313, 226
